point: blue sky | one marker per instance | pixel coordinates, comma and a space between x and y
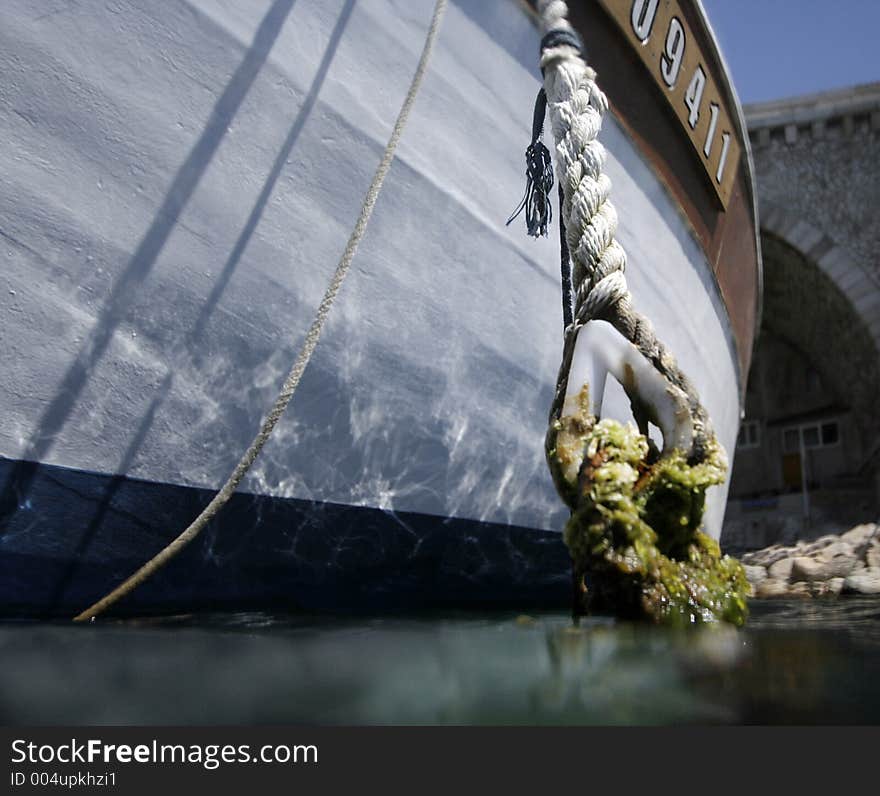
782, 48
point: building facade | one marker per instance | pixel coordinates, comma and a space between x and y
808, 455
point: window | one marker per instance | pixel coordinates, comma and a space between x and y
749, 434
830, 433
815, 435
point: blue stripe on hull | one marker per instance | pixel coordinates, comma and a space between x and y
69, 536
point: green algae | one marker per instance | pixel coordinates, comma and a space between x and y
634, 535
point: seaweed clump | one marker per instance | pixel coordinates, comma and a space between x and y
634, 533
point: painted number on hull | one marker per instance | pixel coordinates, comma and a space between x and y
659, 32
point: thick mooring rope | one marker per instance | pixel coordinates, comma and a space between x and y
305, 354
634, 534
576, 106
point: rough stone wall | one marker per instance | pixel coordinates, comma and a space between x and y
817, 168
830, 177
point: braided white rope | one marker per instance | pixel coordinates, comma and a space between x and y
576, 106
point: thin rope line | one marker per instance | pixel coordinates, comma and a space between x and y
302, 360
565, 267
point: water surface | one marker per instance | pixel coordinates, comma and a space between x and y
797, 662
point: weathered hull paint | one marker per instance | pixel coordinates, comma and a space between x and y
178, 183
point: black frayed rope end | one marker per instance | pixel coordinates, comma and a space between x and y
539, 164
539, 177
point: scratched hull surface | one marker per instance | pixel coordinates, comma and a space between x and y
178, 182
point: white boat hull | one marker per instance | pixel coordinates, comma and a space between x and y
179, 180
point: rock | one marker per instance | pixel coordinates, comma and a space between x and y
828, 588
804, 568
865, 582
838, 567
872, 555
835, 549
768, 556
755, 574
860, 534
771, 587
780, 569
821, 543
811, 570
831, 565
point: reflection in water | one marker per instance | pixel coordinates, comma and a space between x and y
796, 662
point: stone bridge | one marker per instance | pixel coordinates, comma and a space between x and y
813, 401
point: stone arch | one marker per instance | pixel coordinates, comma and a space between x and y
816, 364
808, 309
861, 288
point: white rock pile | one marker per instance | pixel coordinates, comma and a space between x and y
848, 563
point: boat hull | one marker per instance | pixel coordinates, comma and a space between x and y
180, 182
263, 553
